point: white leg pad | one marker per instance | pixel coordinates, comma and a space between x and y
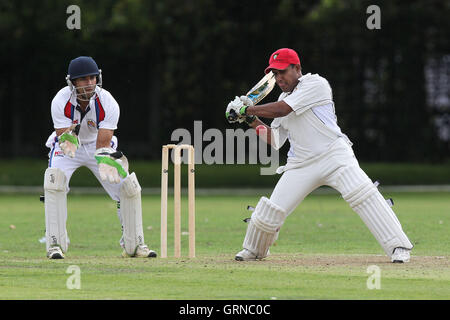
55, 191
365, 199
131, 212
263, 228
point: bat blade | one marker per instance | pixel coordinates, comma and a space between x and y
258, 92
262, 88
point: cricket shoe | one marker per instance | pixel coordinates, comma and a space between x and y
55, 253
142, 251
400, 255
245, 255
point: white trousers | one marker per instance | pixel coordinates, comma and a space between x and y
296, 183
84, 156
339, 169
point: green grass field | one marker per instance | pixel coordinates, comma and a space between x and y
323, 252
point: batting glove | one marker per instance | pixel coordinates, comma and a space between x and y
69, 142
246, 101
112, 164
233, 111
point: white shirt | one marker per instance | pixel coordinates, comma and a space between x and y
102, 113
312, 126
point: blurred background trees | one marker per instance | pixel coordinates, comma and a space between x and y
171, 62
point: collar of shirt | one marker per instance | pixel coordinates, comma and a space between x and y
82, 114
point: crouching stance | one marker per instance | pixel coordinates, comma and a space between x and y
320, 154
85, 117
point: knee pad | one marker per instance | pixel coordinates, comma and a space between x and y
55, 179
268, 216
131, 212
354, 185
55, 188
263, 228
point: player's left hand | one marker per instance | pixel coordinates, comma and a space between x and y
69, 141
246, 101
112, 164
233, 111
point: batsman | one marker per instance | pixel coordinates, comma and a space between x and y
320, 154
84, 118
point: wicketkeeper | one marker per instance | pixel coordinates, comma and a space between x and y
84, 117
320, 154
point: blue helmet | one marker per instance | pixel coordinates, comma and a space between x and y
82, 67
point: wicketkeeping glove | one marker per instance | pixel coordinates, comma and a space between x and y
112, 164
69, 142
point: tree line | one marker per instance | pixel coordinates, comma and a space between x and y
169, 63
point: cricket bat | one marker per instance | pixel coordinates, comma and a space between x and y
259, 91
262, 88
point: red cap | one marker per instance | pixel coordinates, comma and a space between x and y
281, 59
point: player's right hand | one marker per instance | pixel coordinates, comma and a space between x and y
232, 112
69, 142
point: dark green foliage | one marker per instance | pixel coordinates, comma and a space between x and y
170, 62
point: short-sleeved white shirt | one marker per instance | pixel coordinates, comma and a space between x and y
102, 113
312, 126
